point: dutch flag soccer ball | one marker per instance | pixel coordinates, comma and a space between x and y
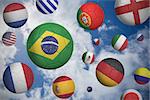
15, 15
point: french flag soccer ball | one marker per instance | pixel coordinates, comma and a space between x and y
18, 78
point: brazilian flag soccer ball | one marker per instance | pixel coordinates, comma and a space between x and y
50, 46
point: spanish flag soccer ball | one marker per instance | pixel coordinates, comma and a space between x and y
63, 87
90, 16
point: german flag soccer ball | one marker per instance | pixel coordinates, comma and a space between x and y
110, 72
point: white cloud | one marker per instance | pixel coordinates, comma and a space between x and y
66, 16
106, 27
7, 53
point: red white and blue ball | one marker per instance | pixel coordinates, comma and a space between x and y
49, 45
15, 15
47, 6
18, 78
9, 38
96, 41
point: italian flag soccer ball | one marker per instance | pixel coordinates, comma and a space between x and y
119, 42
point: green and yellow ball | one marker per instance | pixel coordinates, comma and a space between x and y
50, 46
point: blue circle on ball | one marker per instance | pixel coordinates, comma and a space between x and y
89, 89
49, 45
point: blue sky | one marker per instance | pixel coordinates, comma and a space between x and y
135, 56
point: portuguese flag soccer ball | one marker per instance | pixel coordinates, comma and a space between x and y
50, 46
90, 16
